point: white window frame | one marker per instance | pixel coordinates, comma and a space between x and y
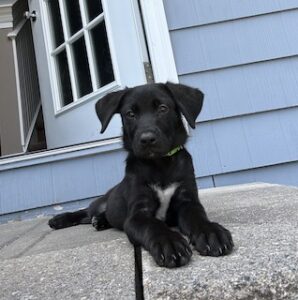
53, 70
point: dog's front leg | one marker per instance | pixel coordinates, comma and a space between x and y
209, 238
168, 248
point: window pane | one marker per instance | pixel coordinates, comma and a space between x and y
94, 8
74, 15
102, 54
57, 30
82, 67
64, 78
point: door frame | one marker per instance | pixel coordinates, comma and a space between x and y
158, 41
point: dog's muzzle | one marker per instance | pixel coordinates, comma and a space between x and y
148, 144
148, 139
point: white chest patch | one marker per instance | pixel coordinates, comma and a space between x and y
164, 196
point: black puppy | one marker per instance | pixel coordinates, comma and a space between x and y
159, 188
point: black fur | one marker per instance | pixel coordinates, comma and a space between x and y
152, 126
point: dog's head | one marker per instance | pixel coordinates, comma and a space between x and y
151, 116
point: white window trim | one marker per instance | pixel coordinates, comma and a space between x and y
93, 73
116, 84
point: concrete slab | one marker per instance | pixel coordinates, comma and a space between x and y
264, 265
73, 237
13, 230
37, 262
19, 246
79, 262
32, 237
96, 271
251, 203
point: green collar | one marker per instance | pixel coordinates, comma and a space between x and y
174, 151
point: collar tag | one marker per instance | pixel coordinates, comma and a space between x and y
174, 151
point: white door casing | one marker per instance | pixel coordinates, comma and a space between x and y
159, 42
77, 122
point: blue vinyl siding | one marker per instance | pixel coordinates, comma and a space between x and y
245, 142
244, 56
187, 13
247, 89
53, 184
281, 174
59, 181
235, 43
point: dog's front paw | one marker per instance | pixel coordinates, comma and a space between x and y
99, 222
212, 239
170, 250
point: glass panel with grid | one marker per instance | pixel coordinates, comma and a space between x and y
79, 48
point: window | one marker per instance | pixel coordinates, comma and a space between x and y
79, 48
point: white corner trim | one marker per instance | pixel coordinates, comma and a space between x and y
158, 39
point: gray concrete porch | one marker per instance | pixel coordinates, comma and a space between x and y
80, 263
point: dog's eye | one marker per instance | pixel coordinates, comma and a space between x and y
130, 114
163, 109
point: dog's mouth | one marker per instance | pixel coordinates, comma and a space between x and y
150, 153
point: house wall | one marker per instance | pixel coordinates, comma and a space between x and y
55, 178
9, 114
59, 180
243, 56
55, 181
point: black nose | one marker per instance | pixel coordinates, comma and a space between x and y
148, 138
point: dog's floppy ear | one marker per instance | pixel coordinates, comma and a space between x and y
107, 106
189, 101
